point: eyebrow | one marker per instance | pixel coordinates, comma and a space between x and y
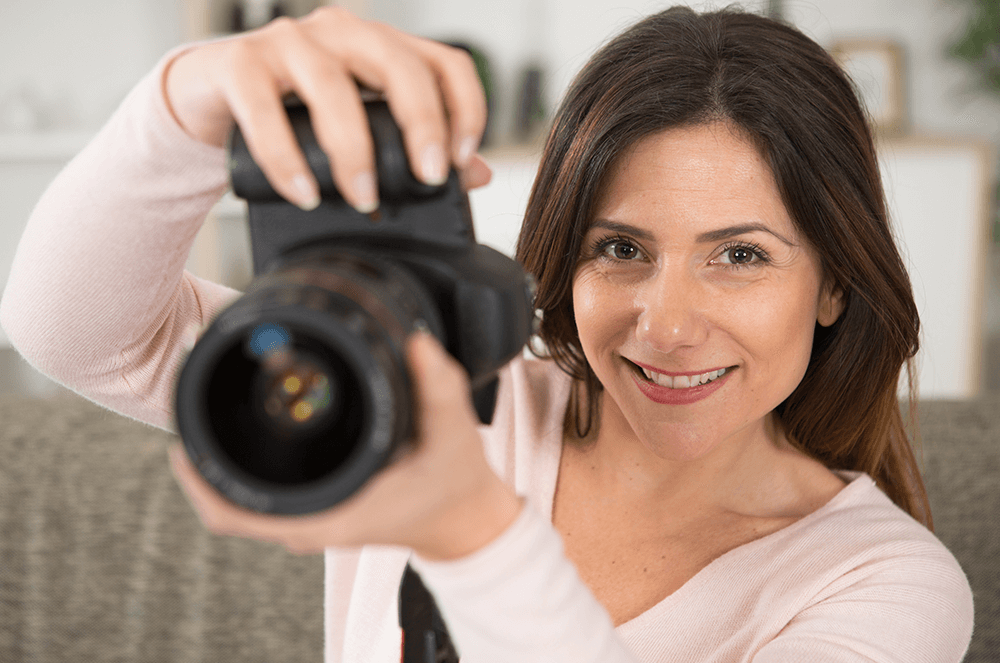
710, 236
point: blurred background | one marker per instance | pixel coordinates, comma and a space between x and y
928, 70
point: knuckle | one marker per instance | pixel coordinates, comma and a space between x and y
239, 53
382, 49
319, 73
332, 14
283, 26
460, 60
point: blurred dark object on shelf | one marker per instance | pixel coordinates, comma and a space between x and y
531, 113
252, 14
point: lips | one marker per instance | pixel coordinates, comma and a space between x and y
682, 381
678, 389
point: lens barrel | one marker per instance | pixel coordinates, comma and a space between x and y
299, 392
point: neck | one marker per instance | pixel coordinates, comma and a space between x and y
732, 476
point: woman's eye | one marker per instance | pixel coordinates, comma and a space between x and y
740, 255
621, 251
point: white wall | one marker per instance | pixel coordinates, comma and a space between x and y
79, 59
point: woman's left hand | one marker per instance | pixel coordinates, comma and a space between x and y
442, 499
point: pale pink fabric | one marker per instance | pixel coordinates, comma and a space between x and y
99, 300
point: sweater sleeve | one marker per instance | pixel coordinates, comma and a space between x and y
98, 298
520, 599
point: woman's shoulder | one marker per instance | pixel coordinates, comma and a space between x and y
861, 522
861, 559
861, 543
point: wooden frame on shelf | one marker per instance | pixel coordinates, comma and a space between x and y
875, 66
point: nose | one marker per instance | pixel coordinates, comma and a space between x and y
671, 312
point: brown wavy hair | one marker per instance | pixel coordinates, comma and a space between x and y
795, 104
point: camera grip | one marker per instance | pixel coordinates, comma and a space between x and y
396, 181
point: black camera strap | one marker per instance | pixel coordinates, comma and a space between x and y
425, 636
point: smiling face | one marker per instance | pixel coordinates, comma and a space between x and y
696, 297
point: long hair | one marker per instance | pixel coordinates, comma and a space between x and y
794, 103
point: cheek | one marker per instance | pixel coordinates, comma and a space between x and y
601, 310
777, 329
587, 302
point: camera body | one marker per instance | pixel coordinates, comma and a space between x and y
299, 392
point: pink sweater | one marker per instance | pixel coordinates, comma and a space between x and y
99, 300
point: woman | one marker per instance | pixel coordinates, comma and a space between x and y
700, 474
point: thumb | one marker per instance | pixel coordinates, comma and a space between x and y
476, 174
441, 384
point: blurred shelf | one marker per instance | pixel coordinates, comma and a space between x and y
42, 145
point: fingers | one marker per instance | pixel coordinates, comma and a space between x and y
254, 98
432, 90
336, 112
462, 93
441, 386
220, 516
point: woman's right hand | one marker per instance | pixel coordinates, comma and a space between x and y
432, 90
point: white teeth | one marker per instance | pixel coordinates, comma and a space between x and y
682, 381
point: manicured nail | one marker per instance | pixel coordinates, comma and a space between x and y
306, 193
466, 149
433, 165
365, 193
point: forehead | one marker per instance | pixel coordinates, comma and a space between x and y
702, 176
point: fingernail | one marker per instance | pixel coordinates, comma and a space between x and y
365, 193
306, 193
433, 165
466, 148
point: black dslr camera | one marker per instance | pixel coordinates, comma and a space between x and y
299, 392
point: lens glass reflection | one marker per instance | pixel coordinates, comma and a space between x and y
284, 406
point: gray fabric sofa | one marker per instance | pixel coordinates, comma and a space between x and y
102, 559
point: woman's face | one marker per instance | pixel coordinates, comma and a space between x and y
696, 297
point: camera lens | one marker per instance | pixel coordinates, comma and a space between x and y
298, 393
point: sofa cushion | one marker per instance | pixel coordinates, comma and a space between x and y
102, 558
961, 449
